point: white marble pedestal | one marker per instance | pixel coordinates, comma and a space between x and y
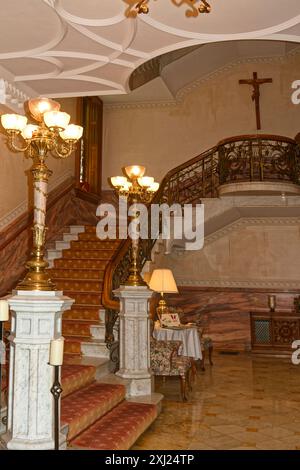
35, 321
135, 339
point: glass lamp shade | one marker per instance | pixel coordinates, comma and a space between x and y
72, 132
28, 131
162, 280
135, 171
154, 187
13, 122
146, 181
39, 106
119, 181
57, 119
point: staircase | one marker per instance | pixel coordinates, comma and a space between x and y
96, 414
77, 263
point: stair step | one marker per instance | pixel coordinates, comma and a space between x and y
98, 331
87, 254
90, 229
62, 245
97, 245
84, 313
87, 274
75, 377
77, 263
69, 237
119, 429
82, 408
94, 348
75, 229
86, 236
101, 364
84, 298
78, 285
78, 327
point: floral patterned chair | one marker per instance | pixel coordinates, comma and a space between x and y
165, 362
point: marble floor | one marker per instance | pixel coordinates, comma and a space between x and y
240, 403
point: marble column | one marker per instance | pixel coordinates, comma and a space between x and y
135, 339
35, 321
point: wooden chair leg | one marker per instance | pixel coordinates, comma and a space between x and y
193, 370
190, 379
203, 359
210, 353
183, 383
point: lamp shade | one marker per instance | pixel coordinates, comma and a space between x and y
72, 132
162, 280
28, 131
146, 181
13, 122
4, 311
57, 119
39, 106
135, 171
118, 181
147, 277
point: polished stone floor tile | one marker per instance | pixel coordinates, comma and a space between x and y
241, 403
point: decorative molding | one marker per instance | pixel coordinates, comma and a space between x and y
6, 220
190, 87
238, 284
250, 222
12, 96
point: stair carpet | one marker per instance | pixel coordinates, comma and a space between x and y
96, 414
78, 263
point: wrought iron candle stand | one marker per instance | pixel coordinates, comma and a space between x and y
56, 360
56, 391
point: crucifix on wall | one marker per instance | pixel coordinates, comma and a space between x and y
256, 82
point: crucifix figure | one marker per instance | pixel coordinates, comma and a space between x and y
256, 83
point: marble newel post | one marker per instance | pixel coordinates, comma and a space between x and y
36, 320
135, 339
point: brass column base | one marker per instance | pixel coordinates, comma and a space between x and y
37, 277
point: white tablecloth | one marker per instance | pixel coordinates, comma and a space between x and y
191, 346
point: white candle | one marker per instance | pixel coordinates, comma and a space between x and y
57, 352
4, 310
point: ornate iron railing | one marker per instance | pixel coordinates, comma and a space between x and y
258, 158
243, 158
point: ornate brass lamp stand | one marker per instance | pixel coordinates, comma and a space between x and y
53, 134
137, 188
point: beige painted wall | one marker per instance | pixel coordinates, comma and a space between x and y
13, 166
246, 254
163, 137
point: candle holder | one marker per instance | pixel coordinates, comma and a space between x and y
56, 360
272, 302
56, 391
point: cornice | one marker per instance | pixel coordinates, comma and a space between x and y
11, 95
187, 89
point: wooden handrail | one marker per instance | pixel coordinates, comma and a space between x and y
173, 175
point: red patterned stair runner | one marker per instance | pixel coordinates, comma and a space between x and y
97, 414
79, 273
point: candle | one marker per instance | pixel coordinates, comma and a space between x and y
57, 351
4, 310
272, 302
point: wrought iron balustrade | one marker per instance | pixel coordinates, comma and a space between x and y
244, 158
258, 158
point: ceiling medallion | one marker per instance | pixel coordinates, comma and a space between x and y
194, 7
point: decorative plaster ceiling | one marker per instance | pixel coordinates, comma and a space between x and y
63, 48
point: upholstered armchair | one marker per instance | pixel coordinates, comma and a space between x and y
165, 362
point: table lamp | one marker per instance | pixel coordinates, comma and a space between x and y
162, 280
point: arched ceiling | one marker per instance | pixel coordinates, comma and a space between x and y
63, 48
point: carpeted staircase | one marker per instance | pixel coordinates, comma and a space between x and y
78, 263
97, 415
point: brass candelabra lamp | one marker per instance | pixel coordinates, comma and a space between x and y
50, 133
193, 7
137, 188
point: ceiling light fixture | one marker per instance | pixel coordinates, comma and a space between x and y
194, 7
